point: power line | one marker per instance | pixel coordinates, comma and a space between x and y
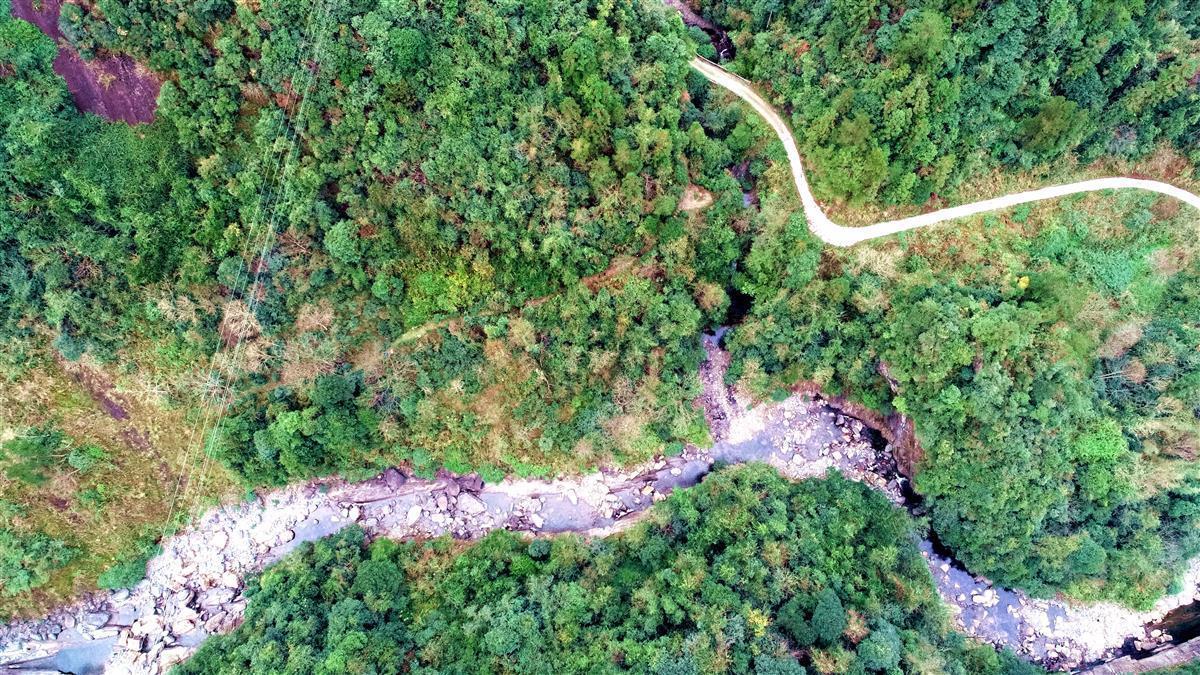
208, 428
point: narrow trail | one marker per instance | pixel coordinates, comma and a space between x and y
840, 235
194, 588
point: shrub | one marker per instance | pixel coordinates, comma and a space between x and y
27, 559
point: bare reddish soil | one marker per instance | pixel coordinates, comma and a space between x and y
113, 87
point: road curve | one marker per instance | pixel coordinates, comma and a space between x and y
840, 235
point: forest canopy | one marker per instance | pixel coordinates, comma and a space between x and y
465, 235
898, 102
746, 572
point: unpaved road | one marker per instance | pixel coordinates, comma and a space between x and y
840, 235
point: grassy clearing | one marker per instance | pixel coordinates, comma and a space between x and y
108, 509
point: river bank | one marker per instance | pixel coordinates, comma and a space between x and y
194, 587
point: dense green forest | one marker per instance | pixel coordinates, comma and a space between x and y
898, 101
466, 235
746, 572
457, 239
1053, 351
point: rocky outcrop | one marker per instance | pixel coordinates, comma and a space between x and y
113, 86
720, 40
1187, 652
897, 429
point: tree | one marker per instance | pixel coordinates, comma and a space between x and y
1055, 128
829, 617
793, 619
882, 649
26, 560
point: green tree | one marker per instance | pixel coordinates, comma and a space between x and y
829, 617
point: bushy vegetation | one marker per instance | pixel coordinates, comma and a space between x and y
744, 573
27, 557
464, 214
130, 566
1053, 354
454, 235
585, 375
898, 101
98, 496
44, 463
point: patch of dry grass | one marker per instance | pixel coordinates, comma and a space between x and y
695, 198
148, 456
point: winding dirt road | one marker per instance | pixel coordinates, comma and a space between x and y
840, 235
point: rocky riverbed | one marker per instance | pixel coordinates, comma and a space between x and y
194, 587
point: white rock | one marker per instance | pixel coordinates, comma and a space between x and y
149, 626
172, 656
216, 622
414, 514
131, 642
470, 504
105, 633
217, 597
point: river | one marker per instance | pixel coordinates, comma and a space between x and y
193, 588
